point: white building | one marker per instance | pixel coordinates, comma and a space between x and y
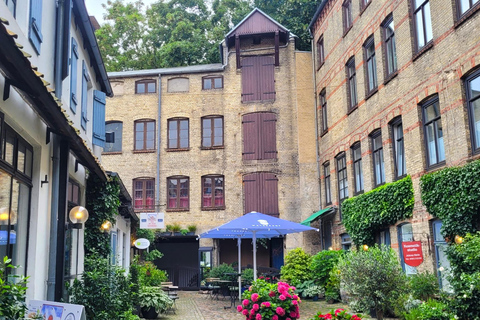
52, 116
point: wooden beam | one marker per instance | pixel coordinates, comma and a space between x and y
237, 50
277, 45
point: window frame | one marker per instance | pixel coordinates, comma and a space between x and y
144, 121
386, 41
178, 189
415, 10
473, 7
351, 74
145, 83
323, 105
471, 116
116, 137
327, 183
13, 8
347, 16
394, 124
370, 59
144, 206
178, 120
320, 52
357, 162
212, 132
374, 135
213, 198
427, 103
212, 79
342, 170
345, 241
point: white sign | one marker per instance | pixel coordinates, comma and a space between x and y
142, 243
55, 310
152, 220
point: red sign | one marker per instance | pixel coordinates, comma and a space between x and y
412, 253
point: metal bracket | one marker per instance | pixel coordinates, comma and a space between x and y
47, 138
44, 181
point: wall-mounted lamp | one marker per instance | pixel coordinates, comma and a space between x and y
365, 247
458, 239
330, 248
106, 226
78, 215
5, 215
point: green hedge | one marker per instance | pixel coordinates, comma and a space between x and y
368, 213
453, 195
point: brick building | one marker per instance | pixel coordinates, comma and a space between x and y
395, 83
208, 143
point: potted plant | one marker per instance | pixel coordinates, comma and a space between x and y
175, 229
313, 292
153, 301
12, 292
192, 229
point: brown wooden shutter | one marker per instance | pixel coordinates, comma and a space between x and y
249, 79
251, 192
268, 136
258, 78
261, 193
250, 136
267, 78
270, 194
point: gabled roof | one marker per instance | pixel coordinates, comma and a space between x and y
257, 22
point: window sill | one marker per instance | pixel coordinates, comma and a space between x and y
177, 210
435, 167
362, 10
467, 15
390, 77
212, 148
320, 65
259, 101
258, 161
145, 92
355, 107
427, 47
177, 150
212, 89
358, 193
213, 209
371, 93
144, 151
323, 133
346, 31
399, 178
137, 210
111, 153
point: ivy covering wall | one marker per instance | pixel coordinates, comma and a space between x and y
102, 202
453, 195
369, 213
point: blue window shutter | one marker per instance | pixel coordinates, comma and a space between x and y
84, 95
73, 76
35, 24
99, 118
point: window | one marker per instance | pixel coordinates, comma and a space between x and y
377, 155
73, 195
73, 76
212, 83
346, 241
213, 192
465, 5
145, 86
144, 194
144, 135
398, 148
85, 84
444, 272
117, 128
260, 191
351, 84
370, 65
327, 226
328, 191
35, 25
347, 15
364, 4
389, 46
178, 193
12, 6
342, 176
472, 89
422, 22
212, 131
320, 52
357, 166
258, 78
383, 237
113, 247
405, 234
259, 136
432, 126
178, 136
323, 104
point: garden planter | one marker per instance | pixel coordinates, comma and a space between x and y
149, 313
315, 298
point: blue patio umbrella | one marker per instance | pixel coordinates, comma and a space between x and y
254, 225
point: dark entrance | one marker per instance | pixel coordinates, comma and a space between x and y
180, 260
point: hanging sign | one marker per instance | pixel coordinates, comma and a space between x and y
412, 253
152, 220
55, 310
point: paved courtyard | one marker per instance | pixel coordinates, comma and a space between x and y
195, 306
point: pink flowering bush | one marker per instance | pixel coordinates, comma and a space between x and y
337, 314
270, 301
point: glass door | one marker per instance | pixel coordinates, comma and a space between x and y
205, 262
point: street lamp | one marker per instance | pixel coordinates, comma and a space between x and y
78, 215
106, 226
365, 247
458, 239
5, 215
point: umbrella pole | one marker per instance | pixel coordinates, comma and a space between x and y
254, 255
239, 269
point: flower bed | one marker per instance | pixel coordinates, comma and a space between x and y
337, 314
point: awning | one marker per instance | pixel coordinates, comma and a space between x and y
317, 215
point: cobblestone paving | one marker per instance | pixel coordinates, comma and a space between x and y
194, 306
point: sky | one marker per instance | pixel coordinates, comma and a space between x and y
94, 8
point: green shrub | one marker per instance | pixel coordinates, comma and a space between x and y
134, 281
12, 292
150, 276
152, 255
155, 297
374, 275
146, 234
430, 310
301, 287
423, 286
297, 267
322, 263
332, 288
247, 275
219, 272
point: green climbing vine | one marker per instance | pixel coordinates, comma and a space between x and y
369, 213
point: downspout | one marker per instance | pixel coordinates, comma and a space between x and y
59, 49
159, 134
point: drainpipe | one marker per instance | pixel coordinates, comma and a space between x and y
58, 48
159, 134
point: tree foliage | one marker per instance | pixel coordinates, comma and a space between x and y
172, 33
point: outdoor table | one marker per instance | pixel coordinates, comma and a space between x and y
223, 284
